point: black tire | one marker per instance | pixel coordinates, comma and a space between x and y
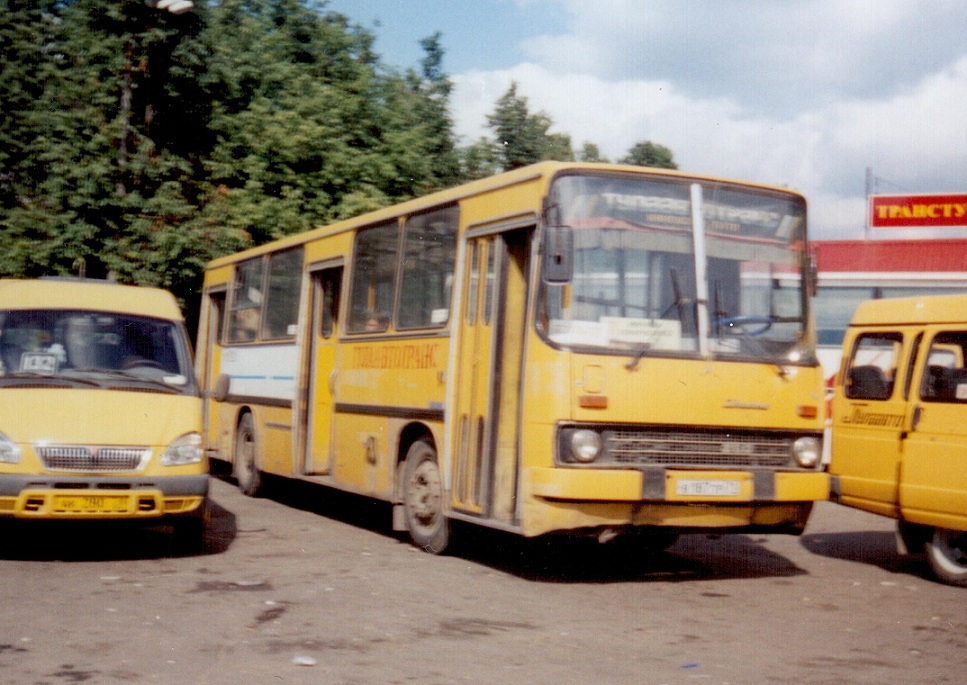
246, 468
191, 532
914, 536
947, 555
426, 523
644, 541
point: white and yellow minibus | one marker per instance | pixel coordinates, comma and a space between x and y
100, 414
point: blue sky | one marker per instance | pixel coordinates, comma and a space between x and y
803, 93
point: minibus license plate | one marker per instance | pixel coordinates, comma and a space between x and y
708, 488
90, 504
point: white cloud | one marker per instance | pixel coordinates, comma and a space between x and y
805, 94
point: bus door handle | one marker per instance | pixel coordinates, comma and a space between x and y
332, 381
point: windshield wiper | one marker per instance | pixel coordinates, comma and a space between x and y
680, 302
48, 379
136, 378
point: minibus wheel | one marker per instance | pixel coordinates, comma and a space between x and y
247, 473
947, 556
427, 525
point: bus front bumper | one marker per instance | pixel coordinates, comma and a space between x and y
688, 501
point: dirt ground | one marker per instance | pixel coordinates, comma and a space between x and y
311, 586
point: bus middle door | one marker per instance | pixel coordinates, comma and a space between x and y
486, 427
320, 405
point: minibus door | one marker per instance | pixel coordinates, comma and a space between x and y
933, 481
869, 423
324, 318
487, 416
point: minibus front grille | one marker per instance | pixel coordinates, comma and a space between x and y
90, 458
721, 449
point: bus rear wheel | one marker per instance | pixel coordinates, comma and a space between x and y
246, 469
947, 556
426, 523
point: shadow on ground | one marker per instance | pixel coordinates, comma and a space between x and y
27, 540
557, 558
874, 548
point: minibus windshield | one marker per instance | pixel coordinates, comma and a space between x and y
642, 284
72, 348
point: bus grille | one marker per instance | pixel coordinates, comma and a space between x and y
695, 448
88, 458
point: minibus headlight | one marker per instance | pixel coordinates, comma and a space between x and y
185, 450
807, 451
585, 445
9, 452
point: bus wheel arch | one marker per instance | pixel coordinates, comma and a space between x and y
947, 555
245, 457
421, 493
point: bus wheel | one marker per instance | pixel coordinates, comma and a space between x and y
947, 555
426, 523
246, 469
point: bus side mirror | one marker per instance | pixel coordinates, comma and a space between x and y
558, 254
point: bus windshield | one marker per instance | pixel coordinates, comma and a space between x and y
651, 276
75, 348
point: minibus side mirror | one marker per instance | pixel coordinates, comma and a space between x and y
558, 254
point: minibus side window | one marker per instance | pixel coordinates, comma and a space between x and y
945, 378
871, 374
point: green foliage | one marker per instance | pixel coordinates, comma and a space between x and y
651, 154
142, 144
523, 137
591, 153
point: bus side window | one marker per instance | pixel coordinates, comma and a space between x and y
374, 269
872, 367
282, 301
246, 312
429, 249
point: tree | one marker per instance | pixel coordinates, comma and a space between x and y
522, 138
591, 153
651, 154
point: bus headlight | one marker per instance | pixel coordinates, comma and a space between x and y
9, 452
585, 445
807, 451
185, 450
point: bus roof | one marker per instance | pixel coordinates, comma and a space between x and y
79, 293
533, 172
912, 310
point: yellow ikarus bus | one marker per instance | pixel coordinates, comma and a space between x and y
597, 349
100, 413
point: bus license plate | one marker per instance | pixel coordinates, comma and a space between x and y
85, 504
708, 488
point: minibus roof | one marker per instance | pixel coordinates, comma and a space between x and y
90, 295
912, 310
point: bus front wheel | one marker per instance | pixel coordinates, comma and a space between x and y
947, 556
426, 523
246, 469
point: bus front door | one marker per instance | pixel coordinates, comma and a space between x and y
487, 416
324, 317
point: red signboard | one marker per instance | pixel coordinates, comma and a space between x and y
918, 211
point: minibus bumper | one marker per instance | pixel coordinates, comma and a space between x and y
86, 497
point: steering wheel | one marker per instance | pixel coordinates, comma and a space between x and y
748, 324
